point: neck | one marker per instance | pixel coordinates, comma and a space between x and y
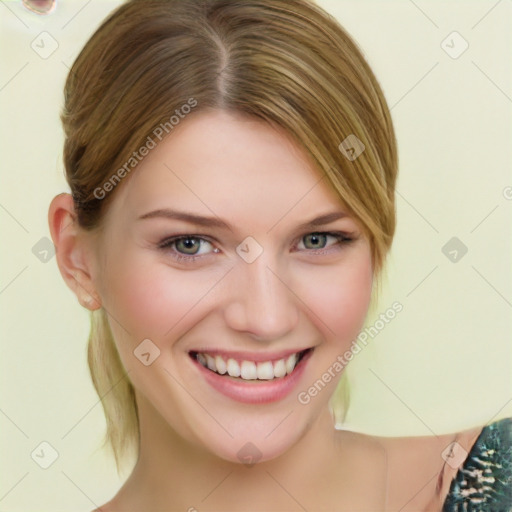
173, 472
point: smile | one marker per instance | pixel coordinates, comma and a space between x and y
251, 378
250, 370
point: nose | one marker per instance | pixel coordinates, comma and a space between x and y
261, 302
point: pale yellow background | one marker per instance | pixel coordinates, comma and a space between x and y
443, 364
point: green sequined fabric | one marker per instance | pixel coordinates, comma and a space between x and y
484, 482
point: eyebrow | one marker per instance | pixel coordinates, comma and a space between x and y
215, 222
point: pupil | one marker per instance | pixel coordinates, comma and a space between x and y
315, 238
189, 243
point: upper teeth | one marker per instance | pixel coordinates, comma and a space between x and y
249, 370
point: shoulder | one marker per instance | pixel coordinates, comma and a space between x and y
418, 473
406, 468
484, 479
105, 508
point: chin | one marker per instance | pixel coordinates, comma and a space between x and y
257, 446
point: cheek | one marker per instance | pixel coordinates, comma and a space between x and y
149, 299
339, 299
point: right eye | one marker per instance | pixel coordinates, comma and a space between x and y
185, 248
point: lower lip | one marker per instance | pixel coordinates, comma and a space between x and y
255, 391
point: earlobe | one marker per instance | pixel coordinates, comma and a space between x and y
71, 251
86, 297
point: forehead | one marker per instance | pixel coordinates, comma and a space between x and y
236, 167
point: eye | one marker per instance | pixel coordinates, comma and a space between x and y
187, 248
318, 240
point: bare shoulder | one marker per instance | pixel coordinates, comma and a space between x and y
108, 507
420, 468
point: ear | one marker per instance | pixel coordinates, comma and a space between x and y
73, 250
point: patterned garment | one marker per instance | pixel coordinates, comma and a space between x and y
484, 482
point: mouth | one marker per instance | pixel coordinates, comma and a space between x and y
251, 378
247, 369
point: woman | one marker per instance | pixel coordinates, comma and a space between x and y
232, 167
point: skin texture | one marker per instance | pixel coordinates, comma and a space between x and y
291, 297
418, 476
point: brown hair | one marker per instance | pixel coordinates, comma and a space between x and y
287, 62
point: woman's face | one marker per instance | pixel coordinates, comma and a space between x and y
249, 287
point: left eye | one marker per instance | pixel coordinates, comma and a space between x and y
185, 248
320, 239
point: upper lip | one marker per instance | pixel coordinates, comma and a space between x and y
249, 356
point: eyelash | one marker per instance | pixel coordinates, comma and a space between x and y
166, 244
